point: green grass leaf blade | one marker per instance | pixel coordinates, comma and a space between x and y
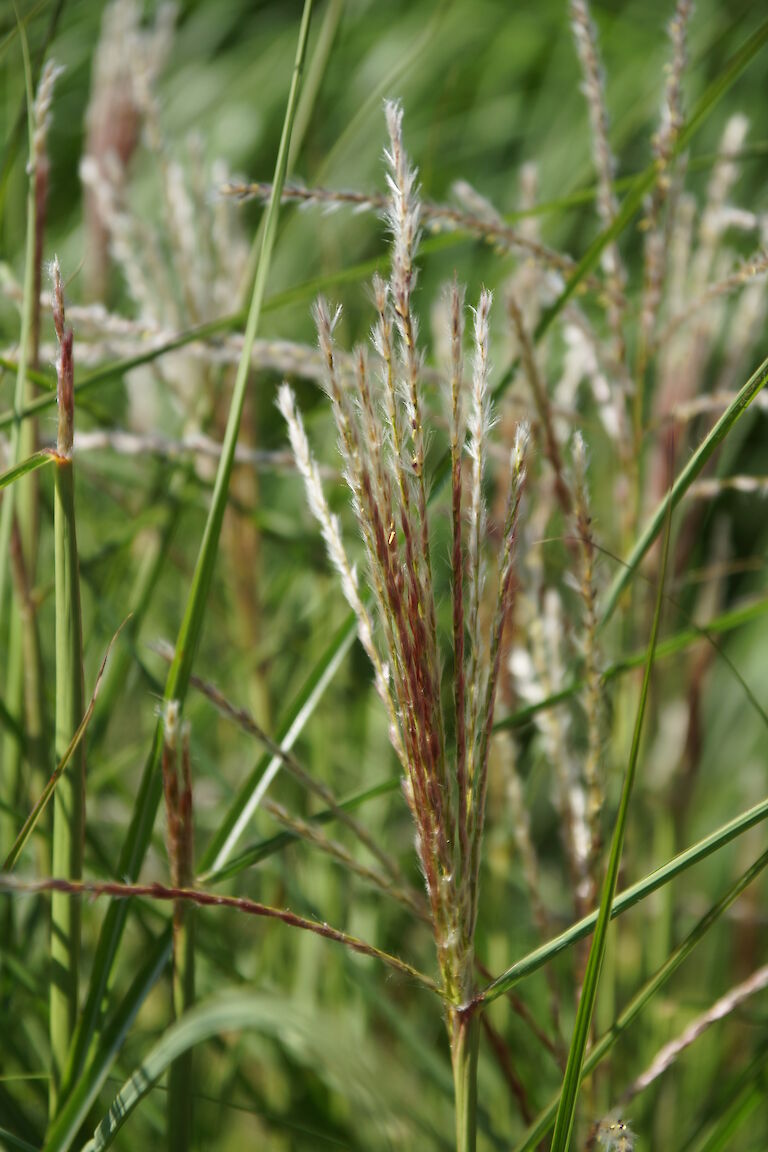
73, 1115
34, 816
191, 626
11, 1142
567, 1108
264, 848
627, 899
671, 646
544, 1121
31, 464
747, 1094
68, 786
140, 829
681, 485
247, 800
27, 308
229, 1012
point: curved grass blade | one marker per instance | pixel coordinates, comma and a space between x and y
671, 646
33, 462
73, 1115
31, 821
626, 899
681, 485
11, 724
231, 1013
248, 798
567, 1107
140, 830
747, 1092
81, 1100
544, 1121
27, 309
8, 1140
265, 848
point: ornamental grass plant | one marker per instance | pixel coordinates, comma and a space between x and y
384, 618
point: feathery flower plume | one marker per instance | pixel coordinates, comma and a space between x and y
479, 426
592, 693
664, 140
593, 87
382, 443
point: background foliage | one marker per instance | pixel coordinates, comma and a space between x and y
347, 1055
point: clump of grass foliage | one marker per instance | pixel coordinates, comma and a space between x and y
452, 563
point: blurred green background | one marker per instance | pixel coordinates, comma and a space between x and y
358, 1060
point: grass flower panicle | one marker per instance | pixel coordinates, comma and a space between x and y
382, 442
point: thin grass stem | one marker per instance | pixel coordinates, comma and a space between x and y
69, 799
139, 833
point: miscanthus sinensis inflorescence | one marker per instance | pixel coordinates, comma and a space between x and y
382, 435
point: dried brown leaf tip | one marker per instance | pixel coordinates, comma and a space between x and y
65, 368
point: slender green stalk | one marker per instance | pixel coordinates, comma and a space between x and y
140, 830
178, 809
63, 1132
27, 309
36, 460
567, 1108
69, 800
625, 900
544, 1121
747, 1092
681, 485
465, 1040
14, 682
12, 748
31, 822
154, 555
180, 1083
